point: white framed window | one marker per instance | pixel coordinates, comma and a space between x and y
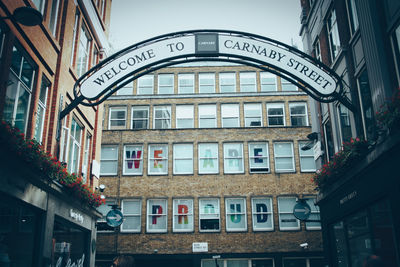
126, 90
287, 85
82, 61
262, 214
75, 140
158, 159
182, 220
145, 85
208, 116
183, 158
227, 82
206, 83
41, 109
64, 141
284, 157
133, 160
314, 216
86, 158
132, 210
253, 115
248, 82
236, 219
343, 114
156, 216
184, 116
233, 158
162, 117
208, 158
317, 50
117, 117
186, 83
268, 82
230, 115
298, 114
165, 84
109, 160
209, 215
307, 162
333, 35
276, 114
75, 36
53, 20
258, 157
140, 117
287, 221
101, 223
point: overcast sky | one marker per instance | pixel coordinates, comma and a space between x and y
133, 21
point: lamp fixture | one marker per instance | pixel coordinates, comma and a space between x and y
26, 15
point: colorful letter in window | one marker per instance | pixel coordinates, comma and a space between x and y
261, 208
183, 209
157, 155
236, 218
156, 209
208, 159
134, 157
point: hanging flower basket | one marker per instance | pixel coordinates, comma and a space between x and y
389, 114
30, 151
352, 152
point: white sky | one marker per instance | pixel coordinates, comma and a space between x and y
133, 21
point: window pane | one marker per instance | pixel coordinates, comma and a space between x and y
186, 83
158, 159
165, 83
208, 158
145, 85
157, 215
133, 160
227, 82
268, 82
183, 215
248, 82
235, 214
262, 214
209, 215
253, 114
206, 83
258, 157
233, 158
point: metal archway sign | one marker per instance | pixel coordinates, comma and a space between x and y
312, 76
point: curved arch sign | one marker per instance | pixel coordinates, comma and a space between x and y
312, 76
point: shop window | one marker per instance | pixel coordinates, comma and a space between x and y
248, 82
233, 158
184, 116
340, 245
303, 262
86, 158
185, 83
75, 140
287, 221
165, 84
208, 158
109, 160
276, 114
183, 215
333, 35
298, 114
158, 160
227, 82
117, 118
237, 263
284, 157
132, 210
314, 215
262, 214
101, 224
344, 122
19, 90
145, 85
307, 162
353, 16
268, 82
288, 85
162, 117
54, 16
41, 109
258, 157
252, 115
366, 106
156, 216
82, 62
230, 115
133, 160
206, 83
183, 158
236, 219
140, 117
126, 90
208, 116
209, 215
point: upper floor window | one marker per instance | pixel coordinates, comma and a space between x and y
86, 158
182, 220
236, 219
268, 82
126, 90
233, 158
140, 117
145, 85
109, 160
157, 216
74, 146
53, 19
248, 82
206, 83
317, 50
184, 116
353, 16
262, 214
258, 157
186, 83
162, 117
287, 85
287, 221
252, 115
333, 35
117, 117
227, 82
276, 114
41, 108
183, 158
298, 114
75, 35
284, 157
307, 162
209, 215
82, 63
158, 159
314, 216
207, 116
101, 223
39, 4
132, 210
165, 84
133, 160
208, 158
230, 115
344, 122
366, 105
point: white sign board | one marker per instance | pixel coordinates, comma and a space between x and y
200, 247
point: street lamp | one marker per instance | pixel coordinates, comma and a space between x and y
26, 15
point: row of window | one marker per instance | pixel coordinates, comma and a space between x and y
262, 262
209, 214
208, 158
206, 83
207, 116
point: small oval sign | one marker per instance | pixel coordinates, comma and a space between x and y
114, 218
302, 210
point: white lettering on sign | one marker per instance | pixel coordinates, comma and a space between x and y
348, 197
200, 247
76, 216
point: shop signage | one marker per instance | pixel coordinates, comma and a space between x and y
200, 247
114, 218
302, 210
76, 216
348, 197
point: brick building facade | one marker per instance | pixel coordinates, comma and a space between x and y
205, 160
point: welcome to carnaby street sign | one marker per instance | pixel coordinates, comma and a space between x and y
113, 73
